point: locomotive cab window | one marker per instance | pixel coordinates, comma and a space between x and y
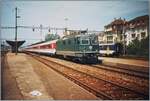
64, 42
85, 41
77, 40
94, 40
69, 41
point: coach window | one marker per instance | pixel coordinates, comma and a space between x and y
47, 46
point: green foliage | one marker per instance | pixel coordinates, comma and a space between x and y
49, 37
139, 48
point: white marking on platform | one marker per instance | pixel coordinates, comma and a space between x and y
36, 93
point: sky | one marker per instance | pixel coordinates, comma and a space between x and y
81, 15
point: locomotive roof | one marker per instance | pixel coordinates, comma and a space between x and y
74, 36
78, 35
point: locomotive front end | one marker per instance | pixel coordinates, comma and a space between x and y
89, 48
83, 48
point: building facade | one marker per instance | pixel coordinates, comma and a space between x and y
114, 30
137, 28
122, 31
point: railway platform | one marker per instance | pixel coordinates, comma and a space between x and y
141, 65
33, 80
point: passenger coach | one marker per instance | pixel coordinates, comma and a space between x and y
48, 47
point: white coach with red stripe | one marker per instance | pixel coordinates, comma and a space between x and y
48, 47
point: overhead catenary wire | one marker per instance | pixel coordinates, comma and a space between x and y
44, 28
31, 27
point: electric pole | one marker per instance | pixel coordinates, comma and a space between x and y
124, 44
16, 49
66, 19
41, 27
16, 27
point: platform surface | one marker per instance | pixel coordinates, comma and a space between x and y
32, 76
141, 63
9, 88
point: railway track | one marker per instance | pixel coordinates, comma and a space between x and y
128, 81
101, 88
131, 72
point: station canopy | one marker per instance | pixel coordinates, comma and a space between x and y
13, 44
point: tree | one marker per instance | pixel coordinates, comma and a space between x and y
49, 37
139, 48
145, 46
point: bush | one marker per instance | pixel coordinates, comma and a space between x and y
139, 48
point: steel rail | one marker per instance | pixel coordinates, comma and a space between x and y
131, 72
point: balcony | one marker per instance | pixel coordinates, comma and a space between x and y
108, 29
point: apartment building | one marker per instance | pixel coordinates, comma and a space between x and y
137, 28
123, 31
114, 30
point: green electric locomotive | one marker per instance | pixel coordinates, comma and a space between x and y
82, 47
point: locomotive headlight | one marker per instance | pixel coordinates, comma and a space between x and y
90, 47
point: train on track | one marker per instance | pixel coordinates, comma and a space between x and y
82, 47
111, 49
